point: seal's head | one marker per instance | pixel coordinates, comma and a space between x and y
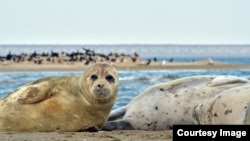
101, 82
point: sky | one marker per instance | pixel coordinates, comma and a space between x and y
124, 22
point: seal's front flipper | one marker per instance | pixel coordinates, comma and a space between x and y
225, 80
200, 114
246, 114
35, 94
195, 114
117, 125
117, 113
91, 128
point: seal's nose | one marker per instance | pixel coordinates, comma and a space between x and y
100, 85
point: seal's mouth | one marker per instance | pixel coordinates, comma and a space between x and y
101, 92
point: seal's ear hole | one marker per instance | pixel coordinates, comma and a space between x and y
94, 77
110, 79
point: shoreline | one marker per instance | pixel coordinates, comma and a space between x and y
203, 64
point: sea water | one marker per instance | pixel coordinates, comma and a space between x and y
131, 82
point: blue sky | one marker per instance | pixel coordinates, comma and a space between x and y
124, 21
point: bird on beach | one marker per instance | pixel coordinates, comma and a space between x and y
54, 54
9, 56
155, 59
210, 61
149, 61
171, 59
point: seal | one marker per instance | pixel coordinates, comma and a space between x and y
229, 107
160, 106
64, 103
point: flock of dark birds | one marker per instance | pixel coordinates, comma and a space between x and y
86, 56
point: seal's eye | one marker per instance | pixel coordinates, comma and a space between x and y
110, 79
93, 77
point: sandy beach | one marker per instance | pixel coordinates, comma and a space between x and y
125, 135
77, 61
78, 66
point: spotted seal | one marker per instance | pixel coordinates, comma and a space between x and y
63, 103
162, 105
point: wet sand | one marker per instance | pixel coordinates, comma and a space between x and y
123, 135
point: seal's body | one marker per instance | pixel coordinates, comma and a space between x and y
229, 107
66, 103
162, 105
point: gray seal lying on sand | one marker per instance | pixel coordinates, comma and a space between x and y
162, 105
64, 103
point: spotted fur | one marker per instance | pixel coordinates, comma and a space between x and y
229, 107
161, 106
